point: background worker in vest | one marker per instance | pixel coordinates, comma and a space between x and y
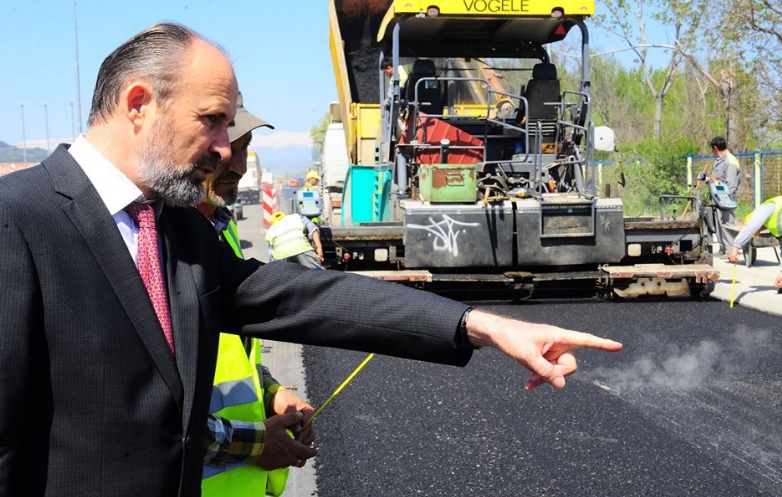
312, 180
311, 185
727, 171
769, 216
247, 438
292, 237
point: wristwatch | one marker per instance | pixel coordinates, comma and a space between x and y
461, 339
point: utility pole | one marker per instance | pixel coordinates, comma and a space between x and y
24, 140
78, 84
46, 117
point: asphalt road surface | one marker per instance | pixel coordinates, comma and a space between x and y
690, 407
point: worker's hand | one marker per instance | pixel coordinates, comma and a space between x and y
285, 401
733, 255
778, 281
320, 255
543, 349
280, 449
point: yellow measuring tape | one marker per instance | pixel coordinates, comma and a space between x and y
339, 388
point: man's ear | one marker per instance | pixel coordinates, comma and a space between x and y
136, 103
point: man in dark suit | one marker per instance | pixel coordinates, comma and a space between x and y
103, 389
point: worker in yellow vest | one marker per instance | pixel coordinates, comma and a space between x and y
248, 452
294, 238
769, 216
312, 180
311, 184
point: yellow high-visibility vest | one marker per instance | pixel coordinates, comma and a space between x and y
287, 237
774, 221
231, 235
238, 394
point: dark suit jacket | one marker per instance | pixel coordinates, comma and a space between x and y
91, 402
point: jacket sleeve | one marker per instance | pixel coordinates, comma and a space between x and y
759, 217
290, 303
270, 387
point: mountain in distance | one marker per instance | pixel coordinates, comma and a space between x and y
10, 153
282, 152
282, 161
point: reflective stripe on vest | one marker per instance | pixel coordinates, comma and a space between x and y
238, 394
231, 236
774, 222
287, 237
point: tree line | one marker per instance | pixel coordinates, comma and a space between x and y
721, 74
721, 77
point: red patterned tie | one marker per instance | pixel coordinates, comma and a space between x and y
149, 265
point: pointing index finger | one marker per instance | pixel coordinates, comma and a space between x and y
589, 341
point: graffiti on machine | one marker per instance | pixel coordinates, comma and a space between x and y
445, 233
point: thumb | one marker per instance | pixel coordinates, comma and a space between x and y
291, 418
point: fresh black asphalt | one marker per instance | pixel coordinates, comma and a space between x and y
690, 407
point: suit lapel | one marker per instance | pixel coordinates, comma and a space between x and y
185, 311
88, 213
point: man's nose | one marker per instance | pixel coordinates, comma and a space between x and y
222, 146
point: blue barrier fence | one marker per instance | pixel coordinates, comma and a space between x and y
761, 173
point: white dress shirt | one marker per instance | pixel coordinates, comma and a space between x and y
114, 188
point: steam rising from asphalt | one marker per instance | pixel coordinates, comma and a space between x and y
685, 368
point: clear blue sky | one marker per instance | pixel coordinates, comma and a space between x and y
279, 49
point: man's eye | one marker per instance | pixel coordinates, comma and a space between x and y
212, 120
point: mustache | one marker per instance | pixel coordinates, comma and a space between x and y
229, 176
208, 161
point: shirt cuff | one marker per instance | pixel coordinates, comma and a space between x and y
232, 442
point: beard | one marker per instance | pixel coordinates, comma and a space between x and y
227, 197
214, 199
161, 173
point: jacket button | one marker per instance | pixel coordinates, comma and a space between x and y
188, 442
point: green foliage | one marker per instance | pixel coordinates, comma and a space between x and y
743, 210
659, 169
709, 88
318, 132
637, 198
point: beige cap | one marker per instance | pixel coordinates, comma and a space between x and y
244, 122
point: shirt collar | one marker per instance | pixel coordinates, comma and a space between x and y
222, 217
114, 188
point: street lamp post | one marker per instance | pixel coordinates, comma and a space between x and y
78, 84
24, 139
46, 117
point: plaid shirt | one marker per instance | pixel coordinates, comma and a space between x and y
231, 442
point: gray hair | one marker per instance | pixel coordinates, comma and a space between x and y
155, 55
